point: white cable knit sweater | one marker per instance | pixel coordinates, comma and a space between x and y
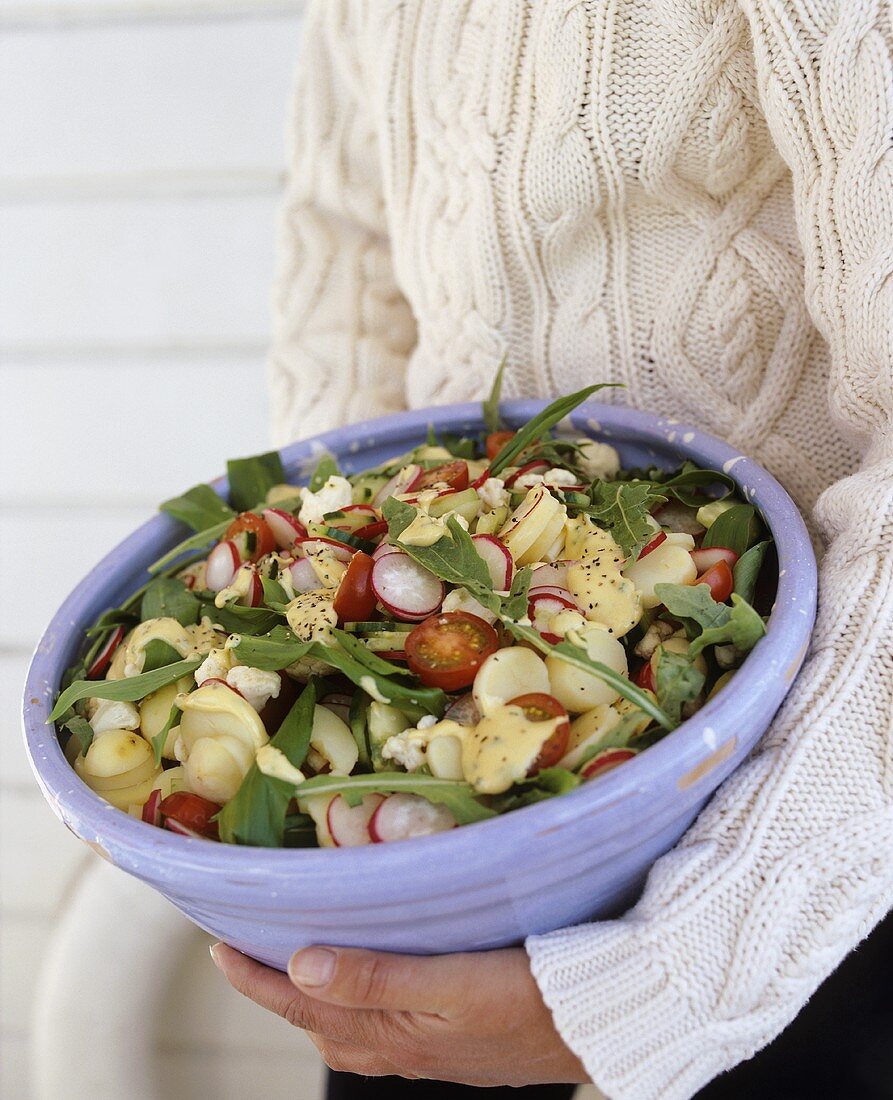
694, 198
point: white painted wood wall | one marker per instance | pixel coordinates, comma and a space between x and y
141, 152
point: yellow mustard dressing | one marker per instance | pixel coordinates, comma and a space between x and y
500, 749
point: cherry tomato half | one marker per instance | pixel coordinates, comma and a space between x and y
253, 536
496, 441
446, 650
355, 599
720, 580
190, 810
454, 474
539, 707
644, 678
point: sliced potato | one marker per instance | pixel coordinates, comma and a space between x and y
170, 780
587, 732
444, 757
215, 710
332, 739
507, 674
529, 521
542, 546
212, 770
666, 564
155, 710
576, 689
317, 806
116, 759
126, 797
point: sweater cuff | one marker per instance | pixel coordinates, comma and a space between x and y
616, 1007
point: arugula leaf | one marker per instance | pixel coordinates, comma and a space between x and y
692, 603
108, 620
256, 814
200, 541
166, 597
452, 558
359, 704
250, 479
80, 728
514, 606
272, 651
409, 698
158, 654
624, 509
688, 484
677, 681
356, 649
737, 529
579, 658
326, 467
537, 427
275, 595
545, 784
492, 421
459, 798
234, 618
199, 508
747, 570
128, 690
459, 446
157, 742
743, 629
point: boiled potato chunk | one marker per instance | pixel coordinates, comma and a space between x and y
507, 674
533, 524
667, 564
155, 710
577, 689
444, 757
216, 767
215, 710
332, 739
116, 759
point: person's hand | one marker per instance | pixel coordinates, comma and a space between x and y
478, 1019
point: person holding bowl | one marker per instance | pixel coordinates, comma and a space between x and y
694, 200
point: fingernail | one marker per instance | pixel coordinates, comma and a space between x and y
214, 950
313, 967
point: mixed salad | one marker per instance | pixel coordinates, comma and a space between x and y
472, 627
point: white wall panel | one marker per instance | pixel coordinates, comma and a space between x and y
14, 767
136, 271
145, 99
132, 431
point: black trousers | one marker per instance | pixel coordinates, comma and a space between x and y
840, 1047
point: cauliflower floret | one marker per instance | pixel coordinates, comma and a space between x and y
215, 666
257, 686
107, 714
494, 494
334, 495
274, 763
407, 749
598, 460
559, 479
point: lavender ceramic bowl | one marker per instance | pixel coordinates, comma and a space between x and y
576, 857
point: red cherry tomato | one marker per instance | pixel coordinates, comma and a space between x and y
605, 761
496, 441
355, 599
644, 678
190, 810
454, 474
446, 650
253, 536
372, 530
720, 580
539, 707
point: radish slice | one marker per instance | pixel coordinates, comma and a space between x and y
349, 825
708, 556
553, 574
286, 529
104, 656
151, 814
660, 537
606, 761
550, 590
338, 703
254, 597
303, 576
341, 550
542, 607
497, 559
182, 830
402, 482
404, 816
463, 710
223, 561
405, 588
385, 548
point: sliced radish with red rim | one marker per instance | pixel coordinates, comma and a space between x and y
221, 566
254, 597
384, 548
401, 483
606, 761
497, 558
542, 607
555, 573
341, 550
405, 816
349, 825
537, 467
660, 537
287, 529
103, 658
708, 556
549, 590
303, 576
405, 588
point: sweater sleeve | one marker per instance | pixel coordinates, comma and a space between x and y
342, 329
791, 864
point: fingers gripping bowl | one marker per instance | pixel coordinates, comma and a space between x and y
541, 867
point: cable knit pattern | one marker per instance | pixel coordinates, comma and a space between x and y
695, 198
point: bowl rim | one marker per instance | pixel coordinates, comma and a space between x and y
783, 647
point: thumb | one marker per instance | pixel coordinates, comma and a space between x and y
374, 979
